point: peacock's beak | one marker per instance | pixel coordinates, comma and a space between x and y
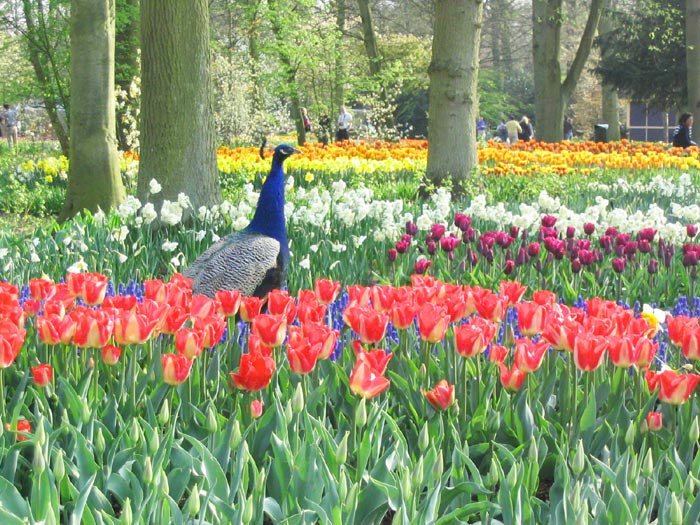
294, 150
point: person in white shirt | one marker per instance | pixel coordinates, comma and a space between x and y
344, 124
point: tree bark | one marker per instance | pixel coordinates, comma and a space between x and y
453, 99
338, 97
692, 38
551, 94
369, 37
94, 180
610, 107
177, 120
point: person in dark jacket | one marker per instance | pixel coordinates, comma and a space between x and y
527, 133
682, 135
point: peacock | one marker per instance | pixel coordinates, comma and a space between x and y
253, 260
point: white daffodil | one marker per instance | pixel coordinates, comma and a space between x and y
154, 187
169, 246
78, 266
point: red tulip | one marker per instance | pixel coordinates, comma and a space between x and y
280, 303
47, 327
654, 421
442, 396
254, 372
311, 312
256, 408
433, 321
358, 295
127, 303
529, 355
690, 345
31, 307
646, 350
623, 351
366, 322
490, 306
532, 318
271, 329
111, 354
511, 379
255, 346
589, 351
676, 388
202, 306
511, 291
155, 289
22, 425
364, 381
93, 328
402, 314
176, 368
43, 374
41, 289
250, 308
326, 291
229, 302
132, 328
677, 326
11, 341
378, 359
212, 328
175, 318
94, 288
382, 297
188, 342
473, 338
302, 355
561, 333
322, 334
498, 353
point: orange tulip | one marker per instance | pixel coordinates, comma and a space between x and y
188, 342
111, 354
250, 308
675, 388
11, 341
132, 328
654, 421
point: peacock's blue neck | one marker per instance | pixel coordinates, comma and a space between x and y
269, 214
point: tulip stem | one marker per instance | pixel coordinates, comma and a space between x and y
2, 393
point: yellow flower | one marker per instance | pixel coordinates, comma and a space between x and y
309, 177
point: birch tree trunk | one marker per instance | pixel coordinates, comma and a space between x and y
94, 180
453, 100
551, 94
177, 120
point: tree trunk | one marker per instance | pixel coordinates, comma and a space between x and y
338, 97
177, 120
50, 83
692, 53
610, 107
94, 180
453, 97
551, 94
369, 37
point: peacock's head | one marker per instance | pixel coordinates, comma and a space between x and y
283, 151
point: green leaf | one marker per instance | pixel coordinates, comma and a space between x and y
12, 502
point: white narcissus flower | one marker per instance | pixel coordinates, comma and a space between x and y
184, 201
122, 258
33, 257
169, 246
305, 263
215, 237
3, 252
78, 267
171, 213
200, 235
99, 216
120, 234
154, 187
148, 212
339, 247
358, 241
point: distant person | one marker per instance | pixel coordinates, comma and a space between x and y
305, 120
502, 132
513, 127
481, 127
527, 132
324, 133
344, 124
568, 128
682, 135
11, 124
